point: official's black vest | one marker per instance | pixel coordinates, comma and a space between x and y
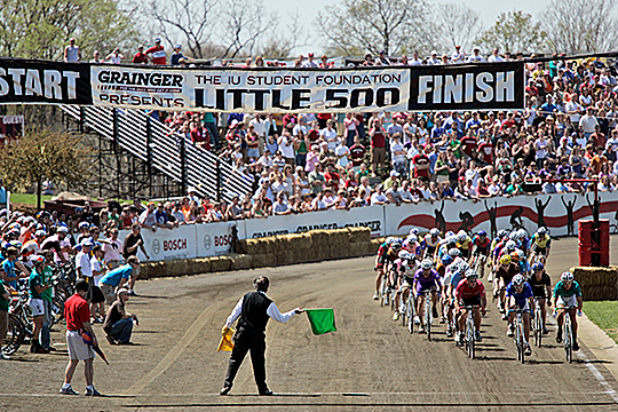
253, 316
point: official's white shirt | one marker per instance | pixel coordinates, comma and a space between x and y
272, 311
82, 262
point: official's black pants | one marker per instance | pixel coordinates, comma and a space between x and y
244, 341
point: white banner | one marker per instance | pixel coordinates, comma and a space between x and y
230, 90
371, 216
559, 213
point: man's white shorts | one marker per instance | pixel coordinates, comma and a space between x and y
77, 348
566, 302
37, 307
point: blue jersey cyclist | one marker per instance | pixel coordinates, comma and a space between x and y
519, 295
426, 280
568, 296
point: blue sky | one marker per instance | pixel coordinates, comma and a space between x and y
488, 9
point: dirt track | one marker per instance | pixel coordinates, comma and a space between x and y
371, 363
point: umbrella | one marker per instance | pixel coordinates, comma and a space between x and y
87, 338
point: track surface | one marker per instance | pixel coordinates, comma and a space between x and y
371, 363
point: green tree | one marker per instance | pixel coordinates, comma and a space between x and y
43, 154
581, 26
514, 31
41, 28
394, 26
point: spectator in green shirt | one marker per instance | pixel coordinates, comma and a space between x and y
47, 297
37, 306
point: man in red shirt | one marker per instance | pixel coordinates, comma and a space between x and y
157, 53
378, 146
468, 145
140, 57
485, 151
470, 292
77, 317
421, 166
357, 152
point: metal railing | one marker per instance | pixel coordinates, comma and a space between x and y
170, 153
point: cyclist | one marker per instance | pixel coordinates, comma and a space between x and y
522, 239
540, 282
503, 276
406, 267
455, 273
568, 295
411, 245
540, 244
426, 279
519, 294
470, 292
379, 264
464, 244
522, 264
430, 243
443, 264
480, 249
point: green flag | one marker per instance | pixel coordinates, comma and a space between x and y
321, 320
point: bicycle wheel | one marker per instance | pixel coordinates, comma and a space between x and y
538, 327
382, 290
14, 337
470, 338
568, 347
428, 316
521, 343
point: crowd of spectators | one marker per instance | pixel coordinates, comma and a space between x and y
303, 162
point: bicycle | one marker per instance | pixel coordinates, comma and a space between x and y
479, 264
384, 289
15, 336
538, 322
469, 338
409, 312
428, 315
519, 336
567, 334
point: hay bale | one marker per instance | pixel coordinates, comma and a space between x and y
202, 265
597, 283
220, 263
241, 262
263, 260
285, 257
359, 234
252, 246
357, 249
319, 237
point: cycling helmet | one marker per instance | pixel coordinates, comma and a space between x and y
37, 259
542, 231
449, 233
513, 235
435, 232
414, 231
521, 233
482, 233
510, 245
454, 252
404, 255
515, 256
461, 237
426, 264
447, 259
397, 244
40, 233
518, 280
502, 233
505, 260
471, 274
451, 240
537, 266
412, 239
83, 225
62, 229
16, 244
566, 277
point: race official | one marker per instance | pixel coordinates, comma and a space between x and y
253, 312
77, 317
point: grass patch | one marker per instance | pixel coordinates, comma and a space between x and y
27, 198
605, 315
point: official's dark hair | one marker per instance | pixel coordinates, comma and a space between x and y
81, 286
261, 283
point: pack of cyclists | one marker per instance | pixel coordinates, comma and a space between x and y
448, 270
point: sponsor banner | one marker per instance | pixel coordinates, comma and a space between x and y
485, 86
371, 216
36, 82
558, 212
215, 238
11, 128
236, 90
167, 244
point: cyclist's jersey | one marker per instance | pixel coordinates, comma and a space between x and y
482, 244
430, 244
389, 256
539, 286
407, 271
465, 292
466, 244
382, 249
507, 273
575, 289
498, 248
456, 277
540, 242
413, 248
426, 283
521, 297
